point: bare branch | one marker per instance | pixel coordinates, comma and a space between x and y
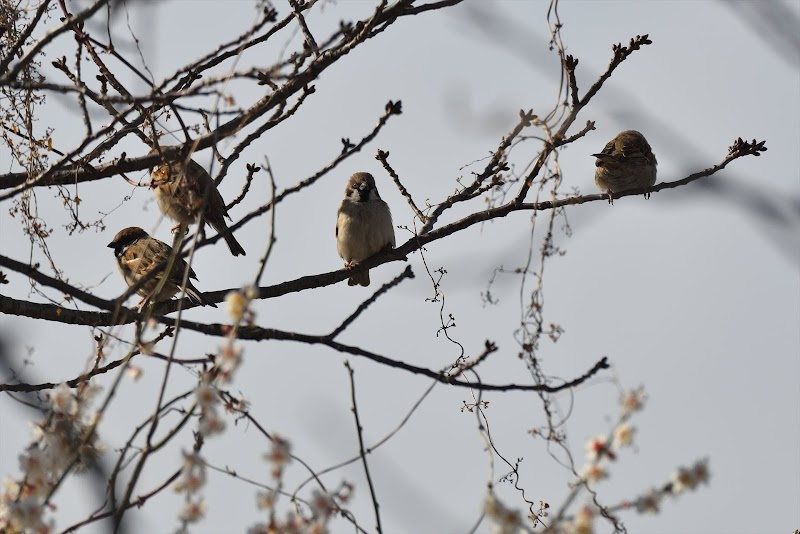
362, 453
383, 157
408, 273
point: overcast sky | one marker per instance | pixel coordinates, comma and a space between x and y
693, 294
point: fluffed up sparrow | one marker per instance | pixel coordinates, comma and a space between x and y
363, 226
138, 254
626, 162
182, 196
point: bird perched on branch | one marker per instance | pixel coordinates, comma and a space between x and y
184, 191
363, 226
138, 254
626, 162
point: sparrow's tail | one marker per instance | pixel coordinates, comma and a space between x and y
197, 297
360, 279
233, 245
236, 248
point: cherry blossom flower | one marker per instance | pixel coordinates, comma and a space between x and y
322, 505
63, 401
193, 473
193, 511
279, 455
649, 502
236, 303
597, 448
633, 401
623, 435
504, 520
211, 423
227, 361
206, 396
593, 472
682, 480
700, 471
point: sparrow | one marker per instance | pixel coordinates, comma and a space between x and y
183, 191
626, 162
138, 253
363, 225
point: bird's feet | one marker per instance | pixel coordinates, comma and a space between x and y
350, 264
610, 197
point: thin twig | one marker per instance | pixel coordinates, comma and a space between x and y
271, 240
407, 273
383, 157
361, 452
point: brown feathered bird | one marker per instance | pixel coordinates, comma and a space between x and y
138, 253
363, 224
184, 191
626, 162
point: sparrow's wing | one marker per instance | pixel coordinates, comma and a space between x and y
180, 267
203, 185
390, 225
137, 260
155, 253
195, 178
637, 149
159, 252
197, 296
131, 261
608, 150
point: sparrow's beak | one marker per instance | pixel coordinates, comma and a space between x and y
112, 244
